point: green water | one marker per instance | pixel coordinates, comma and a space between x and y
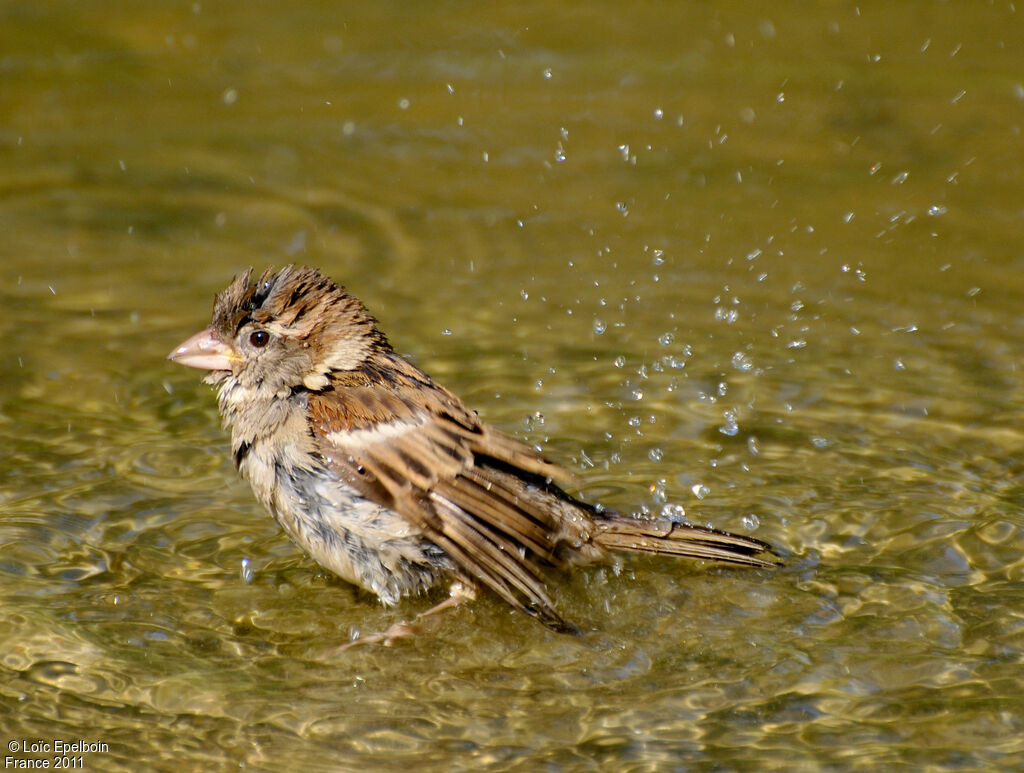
763, 262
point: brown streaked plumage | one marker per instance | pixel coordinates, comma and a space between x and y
387, 478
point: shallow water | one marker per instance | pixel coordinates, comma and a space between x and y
762, 263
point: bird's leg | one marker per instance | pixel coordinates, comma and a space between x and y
460, 592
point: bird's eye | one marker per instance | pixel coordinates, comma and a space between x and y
259, 338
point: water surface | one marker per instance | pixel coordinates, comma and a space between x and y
761, 263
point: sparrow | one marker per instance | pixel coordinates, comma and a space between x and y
386, 478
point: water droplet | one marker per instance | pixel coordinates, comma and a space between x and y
730, 427
620, 361
726, 315
655, 454
666, 339
750, 522
599, 326
247, 572
673, 512
700, 490
658, 490
742, 362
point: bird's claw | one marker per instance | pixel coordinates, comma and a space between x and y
386, 638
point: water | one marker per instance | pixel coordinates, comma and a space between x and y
759, 265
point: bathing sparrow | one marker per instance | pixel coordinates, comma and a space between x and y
385, 477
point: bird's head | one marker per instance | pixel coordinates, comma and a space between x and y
287, 330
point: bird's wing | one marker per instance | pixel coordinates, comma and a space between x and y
407, 443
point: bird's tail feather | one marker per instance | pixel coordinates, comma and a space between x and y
663, 536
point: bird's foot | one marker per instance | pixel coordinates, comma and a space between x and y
459, 592
387, 638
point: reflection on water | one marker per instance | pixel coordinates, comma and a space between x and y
760, 265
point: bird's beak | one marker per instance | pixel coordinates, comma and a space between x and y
203, 350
